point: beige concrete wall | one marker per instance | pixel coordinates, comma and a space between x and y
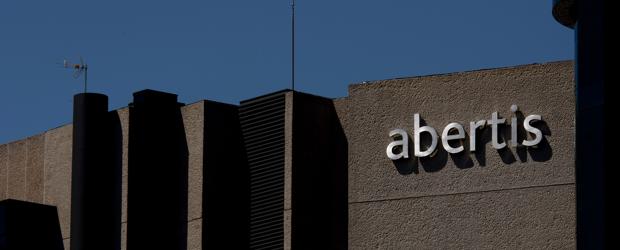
527, 201
526, 218
494, 203
4, 166
57, 182
123, 117
288, 169
22, 170
38, 169
193, 122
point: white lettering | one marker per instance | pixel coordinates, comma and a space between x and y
399, 147
446, 137
473, 126
513, 126
494, 130
417, 130
402, 143
533, 130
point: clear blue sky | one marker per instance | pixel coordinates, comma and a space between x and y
233, 50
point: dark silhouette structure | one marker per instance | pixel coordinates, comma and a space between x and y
319, 175
315, 197
157, 173
27, 225
226, 186
592, 77
96, 174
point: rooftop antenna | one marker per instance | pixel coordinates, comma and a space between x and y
293, 45
78, 69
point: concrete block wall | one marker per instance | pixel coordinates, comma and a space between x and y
514, 198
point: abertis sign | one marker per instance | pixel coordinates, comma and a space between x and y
399, 147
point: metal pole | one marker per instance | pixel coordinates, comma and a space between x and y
293, 45
85, 77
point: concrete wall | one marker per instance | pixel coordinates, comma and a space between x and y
193, 121
315, 175
22, 170
514, 198
38, 169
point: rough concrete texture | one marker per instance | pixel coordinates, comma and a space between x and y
124, 211
288, 229
57, 177
123, 235
123, 117
67, 243
194, 234
21, 169
288, 151
372, 110
531, 218
383, 193
38, 169
34, 168
18, 156
193, 122
4, 165
288, 169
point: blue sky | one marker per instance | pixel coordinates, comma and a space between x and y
233, 50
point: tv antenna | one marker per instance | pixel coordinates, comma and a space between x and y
293, 45
78, 70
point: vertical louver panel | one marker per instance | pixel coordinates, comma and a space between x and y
262, 126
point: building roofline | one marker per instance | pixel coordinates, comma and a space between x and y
460, 72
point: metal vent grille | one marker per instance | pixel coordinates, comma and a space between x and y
262, 126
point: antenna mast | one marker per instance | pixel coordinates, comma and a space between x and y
85, 77
78, 69
293, 45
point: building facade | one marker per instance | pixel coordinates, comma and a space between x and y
410, 163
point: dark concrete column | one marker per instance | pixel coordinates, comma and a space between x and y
319, 175
297, 157
96, 175
592, 75
226, 186
157, 173
590, 126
